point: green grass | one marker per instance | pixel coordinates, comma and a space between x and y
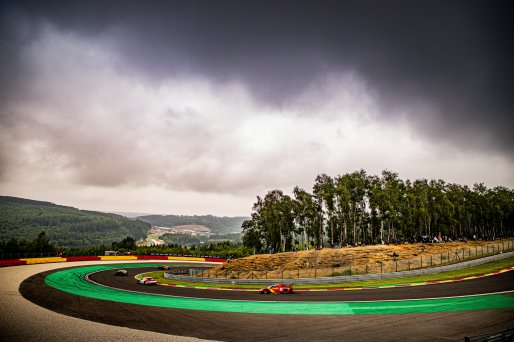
467, 272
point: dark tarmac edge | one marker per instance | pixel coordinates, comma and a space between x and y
256, 327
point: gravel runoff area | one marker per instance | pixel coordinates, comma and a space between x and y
24, 321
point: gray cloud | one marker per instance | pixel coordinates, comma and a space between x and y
237, 96
454, 56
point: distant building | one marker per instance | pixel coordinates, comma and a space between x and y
193, 230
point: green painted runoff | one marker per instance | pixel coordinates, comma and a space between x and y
73, 281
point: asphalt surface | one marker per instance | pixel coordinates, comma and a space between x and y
22, 320
449, 326
499, 283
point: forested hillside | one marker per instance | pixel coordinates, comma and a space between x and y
24, 219
357, 208
218, 225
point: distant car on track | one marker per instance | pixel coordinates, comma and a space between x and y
121, 273
147, 281
164, 267
277, 289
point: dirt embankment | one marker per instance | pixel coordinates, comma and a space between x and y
328, 257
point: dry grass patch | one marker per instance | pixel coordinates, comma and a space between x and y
355, 256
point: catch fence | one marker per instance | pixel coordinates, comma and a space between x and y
347, 268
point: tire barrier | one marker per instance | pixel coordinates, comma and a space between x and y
31, 261
12, 262
152, 257
116, 257
215, 259
83, 258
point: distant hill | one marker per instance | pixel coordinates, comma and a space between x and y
65, 226
128, 214
218, 225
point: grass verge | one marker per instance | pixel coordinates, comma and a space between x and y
467, 272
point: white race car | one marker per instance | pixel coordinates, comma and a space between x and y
121, 273
147, 281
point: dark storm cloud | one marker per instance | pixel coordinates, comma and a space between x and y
453, 58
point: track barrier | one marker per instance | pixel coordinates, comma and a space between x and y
497, 336
152, 257
82, 258
30, 261
12, 262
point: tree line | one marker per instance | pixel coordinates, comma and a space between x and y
357, 208
224, 249
41, 246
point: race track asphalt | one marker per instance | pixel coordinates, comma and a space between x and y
502, 282
22, 320
444, 326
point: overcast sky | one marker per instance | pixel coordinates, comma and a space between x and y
197, 107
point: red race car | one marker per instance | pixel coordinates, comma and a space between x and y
277, 288
147, 281
164, 267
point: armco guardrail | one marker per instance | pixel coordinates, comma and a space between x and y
344, 279
29, 261
497, 336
